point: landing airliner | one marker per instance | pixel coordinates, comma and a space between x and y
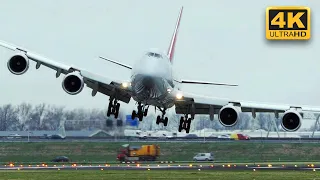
153, 83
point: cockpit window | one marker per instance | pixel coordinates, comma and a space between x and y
151, 54
157, 55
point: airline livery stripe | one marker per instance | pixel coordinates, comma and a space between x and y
174, 38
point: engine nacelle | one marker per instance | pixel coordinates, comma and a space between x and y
73, 83
291, 120
18, 64
229, 115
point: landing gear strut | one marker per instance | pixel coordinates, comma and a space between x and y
142, 112
185, 123
113, 108
162, 119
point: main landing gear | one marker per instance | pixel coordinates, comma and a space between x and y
162, 119
185, 123
113, 108
142, 112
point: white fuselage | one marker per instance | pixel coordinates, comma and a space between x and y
152, 80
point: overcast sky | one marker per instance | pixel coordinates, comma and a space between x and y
220, 41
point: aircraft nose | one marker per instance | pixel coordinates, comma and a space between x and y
148, 82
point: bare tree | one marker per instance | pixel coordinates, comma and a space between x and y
8, 118
52, 118
24, 111
35, 117
263, 121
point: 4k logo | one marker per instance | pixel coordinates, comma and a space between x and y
288, 23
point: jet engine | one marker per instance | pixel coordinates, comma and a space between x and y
229, 115
291, 120
73, 83
18, 64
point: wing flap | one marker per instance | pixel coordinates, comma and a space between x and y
202, 105
105, 86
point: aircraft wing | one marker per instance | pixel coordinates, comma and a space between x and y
94, 81
209, 105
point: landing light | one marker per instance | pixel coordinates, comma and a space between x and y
179, 96
125, 84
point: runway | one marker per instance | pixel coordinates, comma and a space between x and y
198, 140
227, 167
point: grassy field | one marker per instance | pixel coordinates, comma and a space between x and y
171, 151
160, 174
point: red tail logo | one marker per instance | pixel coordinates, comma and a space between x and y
174, 37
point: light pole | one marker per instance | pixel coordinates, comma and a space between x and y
260, 134
204, 135
28, 135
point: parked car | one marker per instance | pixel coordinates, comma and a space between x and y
14, 136
243, 137
191, 136
224, 136
203, 157
164, 136
60, 159
213, 136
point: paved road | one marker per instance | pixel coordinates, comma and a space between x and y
159, 140
164, 167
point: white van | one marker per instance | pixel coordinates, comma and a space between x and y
203, 157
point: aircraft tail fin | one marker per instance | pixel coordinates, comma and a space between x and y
174, 37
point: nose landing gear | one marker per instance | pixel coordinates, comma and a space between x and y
162, 119
142, 112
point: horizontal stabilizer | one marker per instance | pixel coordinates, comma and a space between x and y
202, 82
115, 62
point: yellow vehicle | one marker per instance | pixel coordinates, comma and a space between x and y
238, 136
139, 153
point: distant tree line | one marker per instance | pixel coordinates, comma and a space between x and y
47, 117
25, 117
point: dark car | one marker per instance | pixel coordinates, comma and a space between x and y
60, 159
56, 136
191, 136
